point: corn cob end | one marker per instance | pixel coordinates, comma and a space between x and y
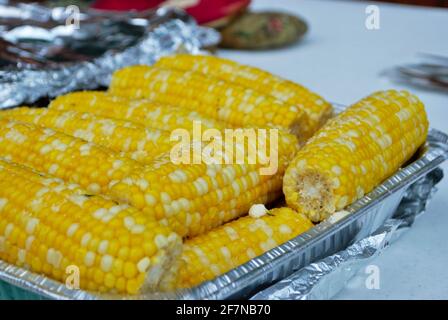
308, 191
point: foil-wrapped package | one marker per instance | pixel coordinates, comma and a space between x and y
48, 52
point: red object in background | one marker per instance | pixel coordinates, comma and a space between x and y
203, 11
119, 5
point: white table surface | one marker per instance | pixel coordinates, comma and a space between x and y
342, 60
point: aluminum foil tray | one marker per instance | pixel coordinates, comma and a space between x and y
335, 234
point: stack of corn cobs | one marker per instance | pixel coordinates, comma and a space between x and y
90, 182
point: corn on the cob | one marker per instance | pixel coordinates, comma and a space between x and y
191, 198
214, 253
218, 99
194, 198
135, 141
355, 152
69, 158
316, 108
144, 112
49, 226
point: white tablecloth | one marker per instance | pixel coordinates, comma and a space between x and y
342, 60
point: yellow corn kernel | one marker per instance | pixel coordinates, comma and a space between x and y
194, 198
132, 139
51, 244
233, 104
218, 251
62, 156
315, 107
144, 112
355, 152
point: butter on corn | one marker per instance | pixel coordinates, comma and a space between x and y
258, 210
220, 100
218, 251
355, 152
318, 110
51, 227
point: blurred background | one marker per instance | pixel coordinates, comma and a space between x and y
434, 3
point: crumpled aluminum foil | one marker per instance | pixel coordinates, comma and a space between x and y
325, 278
41, 56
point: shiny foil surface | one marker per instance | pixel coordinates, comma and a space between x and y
350, 237
45, 53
